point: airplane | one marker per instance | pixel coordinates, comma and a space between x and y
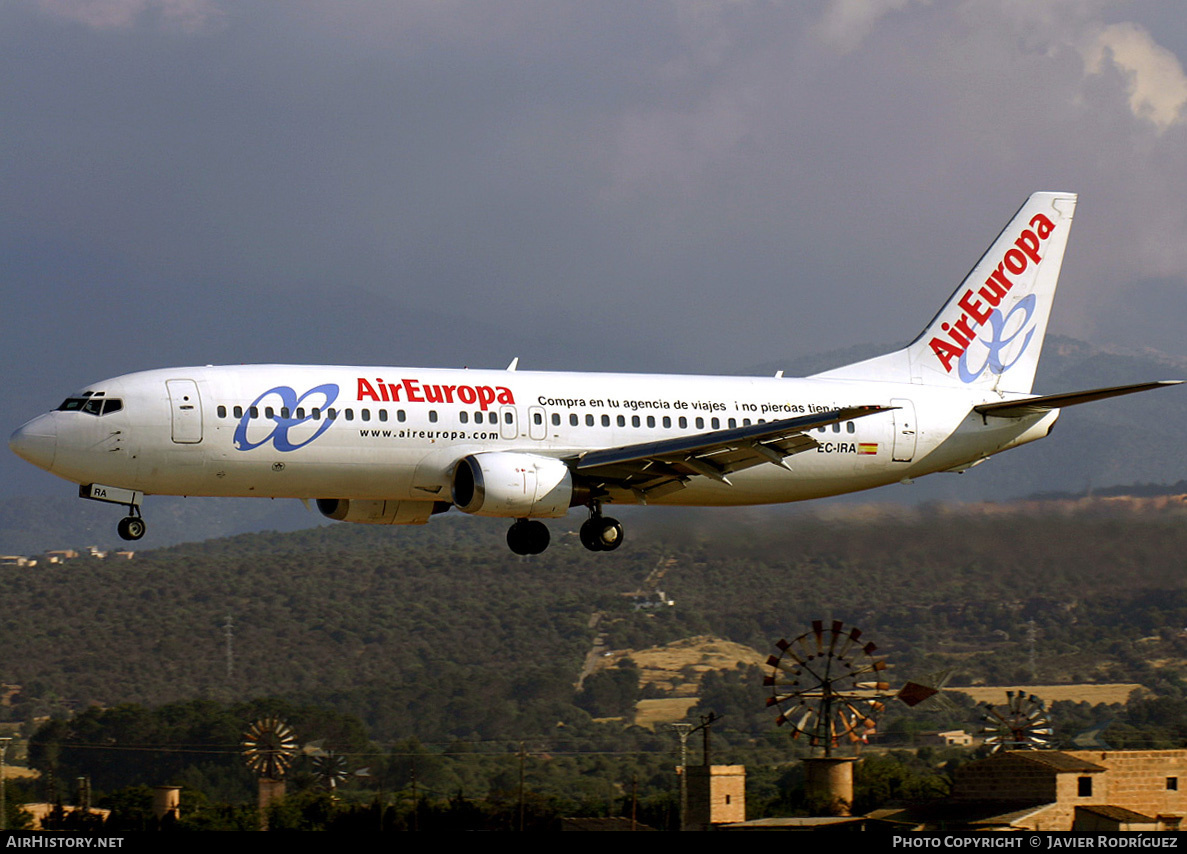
395, 446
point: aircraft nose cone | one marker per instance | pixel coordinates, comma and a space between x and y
36, 442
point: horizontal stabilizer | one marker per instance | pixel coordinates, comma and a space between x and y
1038, 405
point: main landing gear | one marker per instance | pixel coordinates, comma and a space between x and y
528, 537
600, 533
131, 527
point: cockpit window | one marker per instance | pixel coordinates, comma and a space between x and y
91, 405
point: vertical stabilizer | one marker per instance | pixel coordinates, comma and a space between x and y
990, 332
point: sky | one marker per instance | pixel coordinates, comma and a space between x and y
662, 186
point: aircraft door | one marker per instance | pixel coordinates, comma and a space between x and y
508, 423
186, 407
537, 422
904, 430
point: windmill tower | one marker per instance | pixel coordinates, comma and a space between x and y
269, 748
828, 688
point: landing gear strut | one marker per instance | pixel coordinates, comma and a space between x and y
132, 526
600, 533
528, 537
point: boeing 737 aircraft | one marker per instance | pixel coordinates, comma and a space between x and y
393, 446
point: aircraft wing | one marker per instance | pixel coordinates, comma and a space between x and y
1039, 405
658, 468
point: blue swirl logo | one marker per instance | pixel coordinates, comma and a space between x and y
283, 418
999, 340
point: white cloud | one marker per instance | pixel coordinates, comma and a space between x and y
1154, 76
185, 15
846, 23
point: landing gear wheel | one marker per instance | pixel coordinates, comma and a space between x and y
601, 534
590, 534
131, 528
528, 537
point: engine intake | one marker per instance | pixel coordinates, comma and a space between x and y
512, 485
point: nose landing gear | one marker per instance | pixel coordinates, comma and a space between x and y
131, 527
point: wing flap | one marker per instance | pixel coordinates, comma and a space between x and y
650, 469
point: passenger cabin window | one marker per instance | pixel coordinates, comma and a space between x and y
621, 421
634, 420
573, 421
605, 420
238, 411
556, 420
383, 415
432, 416
464, 417
589, 420
650, 420
401, 415
222, 411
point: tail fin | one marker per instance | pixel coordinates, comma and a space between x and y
990, 332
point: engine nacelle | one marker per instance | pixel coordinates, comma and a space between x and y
512, 485
370, 512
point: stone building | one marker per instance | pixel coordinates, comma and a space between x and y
1061, 790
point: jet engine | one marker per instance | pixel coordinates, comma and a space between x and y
512, 485
370, 512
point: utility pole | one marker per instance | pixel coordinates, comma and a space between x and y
683, 731
3, 794
229, 635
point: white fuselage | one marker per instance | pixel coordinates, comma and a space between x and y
398, 433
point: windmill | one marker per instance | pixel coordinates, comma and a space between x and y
1021, 724
828, 686
330, 769
269, 748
